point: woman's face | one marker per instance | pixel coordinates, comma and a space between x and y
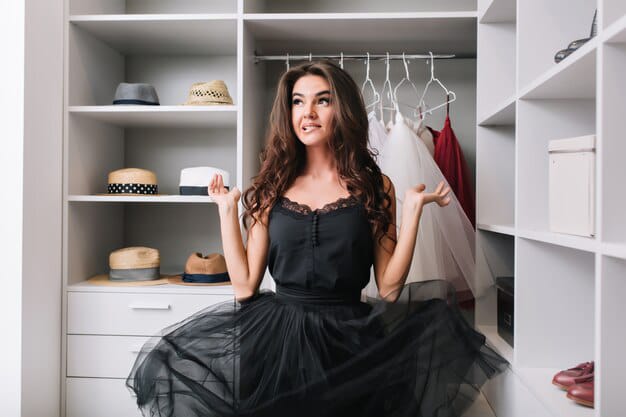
312, 110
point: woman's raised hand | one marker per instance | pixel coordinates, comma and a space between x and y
418, 197
221, 196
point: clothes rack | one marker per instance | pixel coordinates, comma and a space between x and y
352, 57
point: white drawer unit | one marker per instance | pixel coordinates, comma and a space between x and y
103, 397
132, 314
102, 356
96, 397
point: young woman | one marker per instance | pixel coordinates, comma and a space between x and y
320, 214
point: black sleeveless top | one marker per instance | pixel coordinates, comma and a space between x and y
327, 250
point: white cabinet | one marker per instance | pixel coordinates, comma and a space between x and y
566, 302
132, 314
100, 398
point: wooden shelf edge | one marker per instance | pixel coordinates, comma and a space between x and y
539, 382
152, 17
152, 109
85, 286
555, 70
615, 29
557, 239
502, 107
497, 228
614, 250
492, 15
361, 16
139, 199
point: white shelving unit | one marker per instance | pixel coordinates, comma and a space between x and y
567, 288
172, 45
512, 100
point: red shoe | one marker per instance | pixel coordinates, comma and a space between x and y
582, 391
566, 379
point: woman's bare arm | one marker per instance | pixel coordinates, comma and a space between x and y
246, 264
392, 260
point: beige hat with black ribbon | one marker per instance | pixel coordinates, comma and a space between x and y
203, 270
133, 181
209, 93
132, 266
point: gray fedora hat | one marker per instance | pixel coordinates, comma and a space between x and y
136, 93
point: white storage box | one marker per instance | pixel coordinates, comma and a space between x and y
572, 185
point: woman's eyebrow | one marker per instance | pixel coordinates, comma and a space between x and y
316, 94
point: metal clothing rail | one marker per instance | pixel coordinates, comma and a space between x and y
351, 57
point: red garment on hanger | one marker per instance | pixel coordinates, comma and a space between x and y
449, 158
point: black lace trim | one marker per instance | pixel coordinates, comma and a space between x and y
304, 209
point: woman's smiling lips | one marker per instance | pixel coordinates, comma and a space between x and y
309, 127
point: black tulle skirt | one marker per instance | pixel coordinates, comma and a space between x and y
298, 353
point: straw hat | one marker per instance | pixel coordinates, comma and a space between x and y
136, 93
195, 180
132, 181
213, 92
133, 266
203, 270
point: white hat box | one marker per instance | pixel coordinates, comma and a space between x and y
572, 185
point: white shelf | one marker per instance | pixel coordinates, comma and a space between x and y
616, 33
569, 241
539, 382
448, 32
360, 16
615, 250
140, 199
574, 77
502, 115
211, 34
496, 342
503, 229
154, 289
160, 116
499, 11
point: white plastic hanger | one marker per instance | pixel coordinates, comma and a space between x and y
406, 79
387, 83
450, 95
368, 81
287, 62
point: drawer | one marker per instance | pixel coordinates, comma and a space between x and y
102, 356
95, 397
132, 314
99, 397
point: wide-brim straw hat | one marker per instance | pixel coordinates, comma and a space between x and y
132, 267
136, 93
132, 181
209, 93
203, 270
195, 180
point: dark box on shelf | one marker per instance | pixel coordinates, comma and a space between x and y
506, 289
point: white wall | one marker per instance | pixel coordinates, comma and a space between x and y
42, 209
11, 162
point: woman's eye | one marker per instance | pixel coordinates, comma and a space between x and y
324, 100
296, 101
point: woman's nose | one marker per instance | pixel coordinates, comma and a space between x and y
309, 112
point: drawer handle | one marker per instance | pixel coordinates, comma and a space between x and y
138, 306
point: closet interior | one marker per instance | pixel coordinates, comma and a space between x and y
511, 100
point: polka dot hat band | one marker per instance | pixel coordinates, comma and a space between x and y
132, 181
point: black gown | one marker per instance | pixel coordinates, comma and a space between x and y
313, 348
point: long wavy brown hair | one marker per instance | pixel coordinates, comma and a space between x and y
284, 156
